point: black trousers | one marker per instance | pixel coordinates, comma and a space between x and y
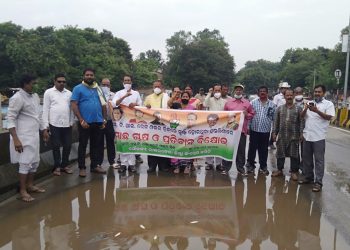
162, 162
61, 137
240, 158
294, 164
94, 135
109, 134
258, 141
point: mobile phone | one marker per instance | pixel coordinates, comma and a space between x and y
311, 104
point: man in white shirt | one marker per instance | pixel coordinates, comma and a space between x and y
58, 118
215, 103
130, 98
278, 99
317, 115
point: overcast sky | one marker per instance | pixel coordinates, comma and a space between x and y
253, 29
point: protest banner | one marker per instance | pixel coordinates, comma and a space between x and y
182, 134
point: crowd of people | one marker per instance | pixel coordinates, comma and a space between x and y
289, 120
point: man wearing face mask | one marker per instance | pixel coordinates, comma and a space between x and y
108, 131
89, 106
299, 97
158, 99
130, 98
238, 103
215, 103
317, 115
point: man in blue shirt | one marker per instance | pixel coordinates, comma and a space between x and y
89, 106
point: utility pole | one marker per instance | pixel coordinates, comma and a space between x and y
347, 67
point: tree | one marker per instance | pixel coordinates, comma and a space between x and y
260, 72
200, 60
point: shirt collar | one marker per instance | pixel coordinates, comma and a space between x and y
64, 89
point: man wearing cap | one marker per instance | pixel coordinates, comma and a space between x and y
278, 99
238, 103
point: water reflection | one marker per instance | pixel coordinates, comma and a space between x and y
163, 211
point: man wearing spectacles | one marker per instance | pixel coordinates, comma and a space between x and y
58, 118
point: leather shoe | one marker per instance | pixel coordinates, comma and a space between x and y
98, 170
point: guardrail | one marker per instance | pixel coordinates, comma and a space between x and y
9, 172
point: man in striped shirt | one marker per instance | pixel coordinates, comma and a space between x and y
260, 128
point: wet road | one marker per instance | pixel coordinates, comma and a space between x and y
204, 210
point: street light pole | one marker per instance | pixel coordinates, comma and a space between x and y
347, 67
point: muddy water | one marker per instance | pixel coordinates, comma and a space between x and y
205, 210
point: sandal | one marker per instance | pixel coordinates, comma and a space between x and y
57, 172
317, 187
26, 198
67, 170
35, 189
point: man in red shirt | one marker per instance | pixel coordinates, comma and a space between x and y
238, 103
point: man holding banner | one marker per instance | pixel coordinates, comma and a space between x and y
130, 98
215, 103
158, 99
238, 103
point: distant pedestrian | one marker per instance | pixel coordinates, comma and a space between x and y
130, 98
260, 128
201, 95
238, 103
317, 114
59, 119
108, 132
89, 106
225, 90
24, 122
287, 128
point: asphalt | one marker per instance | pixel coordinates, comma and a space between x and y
203, 210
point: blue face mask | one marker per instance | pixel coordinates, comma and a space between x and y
318, 99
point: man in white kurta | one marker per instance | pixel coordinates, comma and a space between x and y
24, 123
130, 98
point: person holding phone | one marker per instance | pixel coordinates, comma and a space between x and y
317, 114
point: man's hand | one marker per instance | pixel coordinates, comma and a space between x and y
84, 124
132, 105
18, 145
210, 90
46, 135
301, 139
245, 112
274, 137
313, 108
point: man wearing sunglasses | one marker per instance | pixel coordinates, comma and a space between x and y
58, 119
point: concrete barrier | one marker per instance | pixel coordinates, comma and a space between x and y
9, 172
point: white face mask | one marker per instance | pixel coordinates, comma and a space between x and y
157, 91
105, 90
127, 86
298, 98
217, 95
237, 96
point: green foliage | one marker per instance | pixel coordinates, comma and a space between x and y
257, 73
200, 60
45, 51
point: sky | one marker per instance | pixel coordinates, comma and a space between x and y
254, 29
